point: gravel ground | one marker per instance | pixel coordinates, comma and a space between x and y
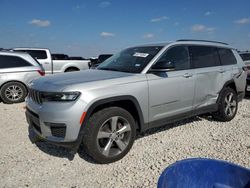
23, 164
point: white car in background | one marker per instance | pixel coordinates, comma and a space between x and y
44, 57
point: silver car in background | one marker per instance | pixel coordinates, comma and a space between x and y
17, 70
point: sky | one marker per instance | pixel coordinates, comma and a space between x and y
88, 28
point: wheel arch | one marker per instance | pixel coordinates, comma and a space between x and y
231, 84
126, 102
71, 67
26, 87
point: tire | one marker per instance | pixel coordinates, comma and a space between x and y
109, 147
71, 69
13, 92
227, 105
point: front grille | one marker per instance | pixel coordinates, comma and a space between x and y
58, 131
35, 96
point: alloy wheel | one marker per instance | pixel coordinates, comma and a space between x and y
230, 104
14, 93
113, 136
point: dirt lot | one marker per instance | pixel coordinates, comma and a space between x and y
23, 164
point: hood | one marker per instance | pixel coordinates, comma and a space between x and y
60, 81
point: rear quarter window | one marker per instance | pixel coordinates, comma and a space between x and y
226, 56
204, 56
12, 62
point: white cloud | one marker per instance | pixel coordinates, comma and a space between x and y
148, 36
159, 19
208, 13
198, 28
243, 21
40, 23
107, 34
176, 24
104, 4
202, 28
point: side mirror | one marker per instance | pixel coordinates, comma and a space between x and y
162, 66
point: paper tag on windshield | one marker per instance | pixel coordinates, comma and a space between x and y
138, 54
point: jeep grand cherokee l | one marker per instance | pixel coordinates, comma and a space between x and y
134, 90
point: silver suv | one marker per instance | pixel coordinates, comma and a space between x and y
134, 90
17, 70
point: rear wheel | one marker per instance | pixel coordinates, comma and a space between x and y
13, 92
228, 105
109, 134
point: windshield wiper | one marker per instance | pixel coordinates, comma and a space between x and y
111, 69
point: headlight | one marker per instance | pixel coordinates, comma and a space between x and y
62, 96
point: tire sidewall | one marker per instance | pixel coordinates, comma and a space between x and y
5, 86
225, 92
96, 123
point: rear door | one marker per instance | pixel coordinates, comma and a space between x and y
209, 75
171, 93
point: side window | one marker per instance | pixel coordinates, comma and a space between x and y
204, 56
12, 62
176, 56
227, 57
36, 54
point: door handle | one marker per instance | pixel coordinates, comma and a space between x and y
221, 70
187, 75
46, 63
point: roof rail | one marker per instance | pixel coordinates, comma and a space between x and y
4, 50
183, 40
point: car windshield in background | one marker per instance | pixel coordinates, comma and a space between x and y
245, 57
132, 60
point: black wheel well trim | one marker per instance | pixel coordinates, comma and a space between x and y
106, 101
71, 67
117, 99
229, 82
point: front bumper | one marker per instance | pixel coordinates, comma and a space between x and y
58, 122
248, 84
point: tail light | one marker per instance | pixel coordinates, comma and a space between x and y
42, 73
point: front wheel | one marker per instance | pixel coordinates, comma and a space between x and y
109, 134
227, 105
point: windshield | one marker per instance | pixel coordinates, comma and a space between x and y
132, 60
245, 57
